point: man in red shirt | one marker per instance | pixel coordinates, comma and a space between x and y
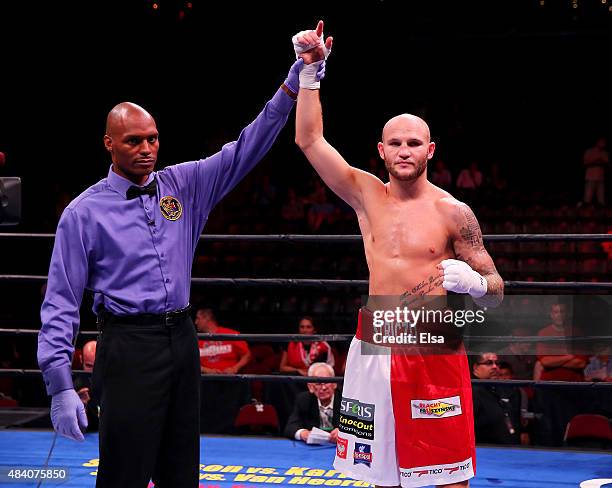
218, 357
558, 361
220, 400
556, 407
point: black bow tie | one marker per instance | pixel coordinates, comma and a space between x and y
134, 191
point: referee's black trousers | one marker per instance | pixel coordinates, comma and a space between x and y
148, 380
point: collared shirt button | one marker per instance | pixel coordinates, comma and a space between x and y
167, 280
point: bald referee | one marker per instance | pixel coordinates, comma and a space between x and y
130, 239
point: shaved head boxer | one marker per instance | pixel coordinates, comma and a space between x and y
405, 419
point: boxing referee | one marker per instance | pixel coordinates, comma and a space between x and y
130, 239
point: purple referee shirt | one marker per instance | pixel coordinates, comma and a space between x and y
132, 254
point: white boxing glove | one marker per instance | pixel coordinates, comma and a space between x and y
461, 278
308, 73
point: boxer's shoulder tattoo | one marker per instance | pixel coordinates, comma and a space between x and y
469, 247
469, 229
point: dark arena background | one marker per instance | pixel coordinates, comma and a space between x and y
516, 91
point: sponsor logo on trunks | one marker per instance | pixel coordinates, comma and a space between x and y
436, 409
357, 418
341, 447
358, 428
362, 454
357, 409
437, 471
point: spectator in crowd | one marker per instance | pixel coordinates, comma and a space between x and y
292, 211
599, 368
318, 407
599, 365
496, 186
537, 371
497, 409
469, 184
555, 408
295, 360
496, 180
82, 385
520, 355
526, 393
219, 357
441, 176
469, 178
322, 213
557, 359
505, 371
220, 401
264, 194
299, 355
596, 159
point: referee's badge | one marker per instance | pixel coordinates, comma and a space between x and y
171, 208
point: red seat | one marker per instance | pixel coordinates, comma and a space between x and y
588, 430
8, 402
257, 418
339, 361
263, 360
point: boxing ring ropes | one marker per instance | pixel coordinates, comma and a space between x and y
592, 287
604, 287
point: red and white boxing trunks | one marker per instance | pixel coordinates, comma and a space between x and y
406, 419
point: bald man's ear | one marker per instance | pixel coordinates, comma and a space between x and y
108, 143
432, 148
381, 151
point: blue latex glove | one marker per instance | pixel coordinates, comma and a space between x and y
67, 414
321, 71
293, 78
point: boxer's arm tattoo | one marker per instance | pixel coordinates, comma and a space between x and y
433, 282
425, 286
469, 228
468, 246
